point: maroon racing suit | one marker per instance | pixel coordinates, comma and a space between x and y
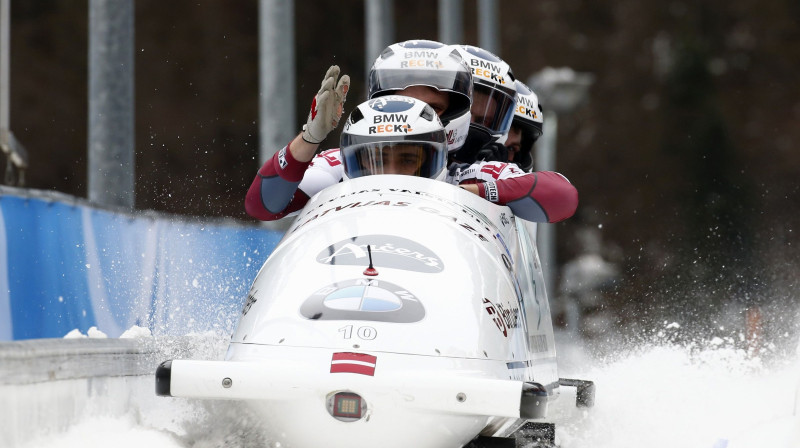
283, 185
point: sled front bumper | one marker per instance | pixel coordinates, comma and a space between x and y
438, 392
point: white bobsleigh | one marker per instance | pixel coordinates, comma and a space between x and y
397, 311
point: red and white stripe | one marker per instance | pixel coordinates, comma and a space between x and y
346, 362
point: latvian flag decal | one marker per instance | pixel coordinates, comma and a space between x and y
360, 363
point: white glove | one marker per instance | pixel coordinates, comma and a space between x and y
327, 107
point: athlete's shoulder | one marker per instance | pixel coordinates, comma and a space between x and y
328, 158
326, 169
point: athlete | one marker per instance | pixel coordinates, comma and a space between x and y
493, 102
394, 134
432, 72
426, 70
274, 193
526, 128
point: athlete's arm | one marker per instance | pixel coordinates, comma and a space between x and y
541, 196
273, 193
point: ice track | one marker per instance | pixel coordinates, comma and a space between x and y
707, 394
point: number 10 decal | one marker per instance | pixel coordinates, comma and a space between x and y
365, 333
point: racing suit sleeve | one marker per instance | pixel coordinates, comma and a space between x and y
541, 196
274, 193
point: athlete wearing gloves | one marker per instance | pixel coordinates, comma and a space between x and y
426, 70
411, 140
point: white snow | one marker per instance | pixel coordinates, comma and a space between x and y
136, 332
103, 432
706, 394
74, 334
92, 332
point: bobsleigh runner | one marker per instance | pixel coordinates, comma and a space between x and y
397, 311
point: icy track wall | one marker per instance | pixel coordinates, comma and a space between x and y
67, 265
48, 384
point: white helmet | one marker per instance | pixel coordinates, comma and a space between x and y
393, 135
493, 98
432, 64
529, 119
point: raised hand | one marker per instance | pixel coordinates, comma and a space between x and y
327, 106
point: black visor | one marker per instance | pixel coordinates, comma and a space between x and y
493, 108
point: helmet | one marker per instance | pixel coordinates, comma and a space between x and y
529, 119
432, 64
528, 111
394, 135
493, 101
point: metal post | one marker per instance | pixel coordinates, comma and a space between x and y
5, 48
560, 92
487, 26
16, 155
277, 124
546, 233
379, 22
111, 116
451, 22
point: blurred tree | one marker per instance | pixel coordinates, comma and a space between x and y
687, 163
712, 196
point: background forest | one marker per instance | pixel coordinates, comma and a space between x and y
685, 155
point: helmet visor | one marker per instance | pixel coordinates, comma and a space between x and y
529, 129
457, 83
410, 158
493, 108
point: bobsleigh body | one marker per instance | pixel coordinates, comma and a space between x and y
395, 309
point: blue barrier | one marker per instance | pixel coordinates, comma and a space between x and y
65, 264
